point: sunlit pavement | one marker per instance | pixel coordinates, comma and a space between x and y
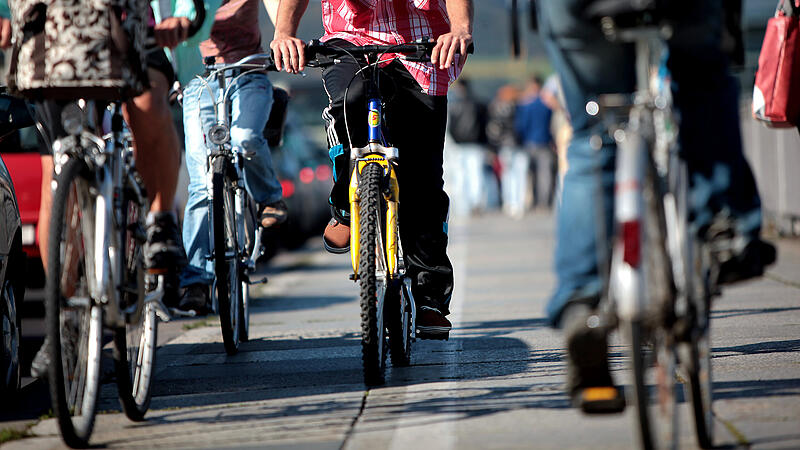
497, 383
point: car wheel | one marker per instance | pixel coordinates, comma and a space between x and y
10, 323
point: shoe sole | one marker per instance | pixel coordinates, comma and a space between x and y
436, 333
335, 250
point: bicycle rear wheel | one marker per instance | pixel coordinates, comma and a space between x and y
247, 236
699, 385
226, 255
74, 319
135, 343
372, 275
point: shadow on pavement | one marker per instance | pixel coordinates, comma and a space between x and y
279, 304
725, 313
788, 346
726, 390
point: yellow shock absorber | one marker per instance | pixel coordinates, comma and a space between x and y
391, 223
355, 218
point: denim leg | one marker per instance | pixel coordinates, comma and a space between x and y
588, 66
251, 102
198, 116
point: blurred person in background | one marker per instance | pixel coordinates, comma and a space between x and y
532, 123
515, 161
467, 149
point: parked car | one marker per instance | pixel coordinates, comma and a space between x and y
304, 171
20, 151
12, 284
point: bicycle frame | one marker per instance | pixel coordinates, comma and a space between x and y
111, 161
219, 135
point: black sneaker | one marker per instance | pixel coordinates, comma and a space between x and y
589, 382
163, 251
747, 264
195, 298
432, 324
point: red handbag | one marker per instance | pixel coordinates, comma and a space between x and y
776, 95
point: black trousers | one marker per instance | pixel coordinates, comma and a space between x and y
414, 122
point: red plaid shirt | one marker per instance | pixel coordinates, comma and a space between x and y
387, 22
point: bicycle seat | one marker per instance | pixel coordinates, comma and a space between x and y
625, 13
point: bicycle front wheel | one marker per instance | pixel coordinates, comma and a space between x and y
74, 318
226, 255
372, 275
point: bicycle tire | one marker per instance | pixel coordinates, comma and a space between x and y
74, 369
135, 343
226, 255
373, 331
250, 229
699, 385
398, 315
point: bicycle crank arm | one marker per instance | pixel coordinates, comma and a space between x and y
262, 280
155, 298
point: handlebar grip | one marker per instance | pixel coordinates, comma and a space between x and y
199, 17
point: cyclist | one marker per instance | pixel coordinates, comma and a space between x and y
416, 111
157, 150
724, 199
234, 35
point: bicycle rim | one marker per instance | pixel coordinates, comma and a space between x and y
247, 231
134, 357
226, 255
656, 406
372, 275
74, 321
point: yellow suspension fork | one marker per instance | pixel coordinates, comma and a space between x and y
392, 200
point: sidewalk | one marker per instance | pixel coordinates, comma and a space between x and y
497, 383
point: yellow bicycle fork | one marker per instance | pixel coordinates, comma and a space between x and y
392, 200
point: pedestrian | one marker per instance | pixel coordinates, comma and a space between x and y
467, 150
514, 160
533, 127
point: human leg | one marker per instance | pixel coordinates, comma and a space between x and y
198, 117
158, 155
724, 201
416, 124
341, 128
545, 165
251, 101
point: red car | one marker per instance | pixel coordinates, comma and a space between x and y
20, 152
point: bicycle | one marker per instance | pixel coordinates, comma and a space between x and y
97, 277
234, 233
388, 310
661, 278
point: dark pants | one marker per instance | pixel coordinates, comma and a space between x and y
415, 124
705, 97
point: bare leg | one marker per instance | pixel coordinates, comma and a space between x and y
156, 143
45, 205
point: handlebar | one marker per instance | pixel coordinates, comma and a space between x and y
419, 50
194, 25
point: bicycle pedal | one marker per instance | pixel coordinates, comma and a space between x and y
601, 400
263, 280
157, 271
181, 313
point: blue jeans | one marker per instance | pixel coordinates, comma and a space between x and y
250, 103
706, 100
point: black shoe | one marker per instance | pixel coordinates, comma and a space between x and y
748, 263
41, 362
589, 381
163, 251
432, 324
195, 298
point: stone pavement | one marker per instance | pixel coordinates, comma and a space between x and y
497, 383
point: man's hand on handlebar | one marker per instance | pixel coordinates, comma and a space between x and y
172, 31
447, 45
288, 53
5, 33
